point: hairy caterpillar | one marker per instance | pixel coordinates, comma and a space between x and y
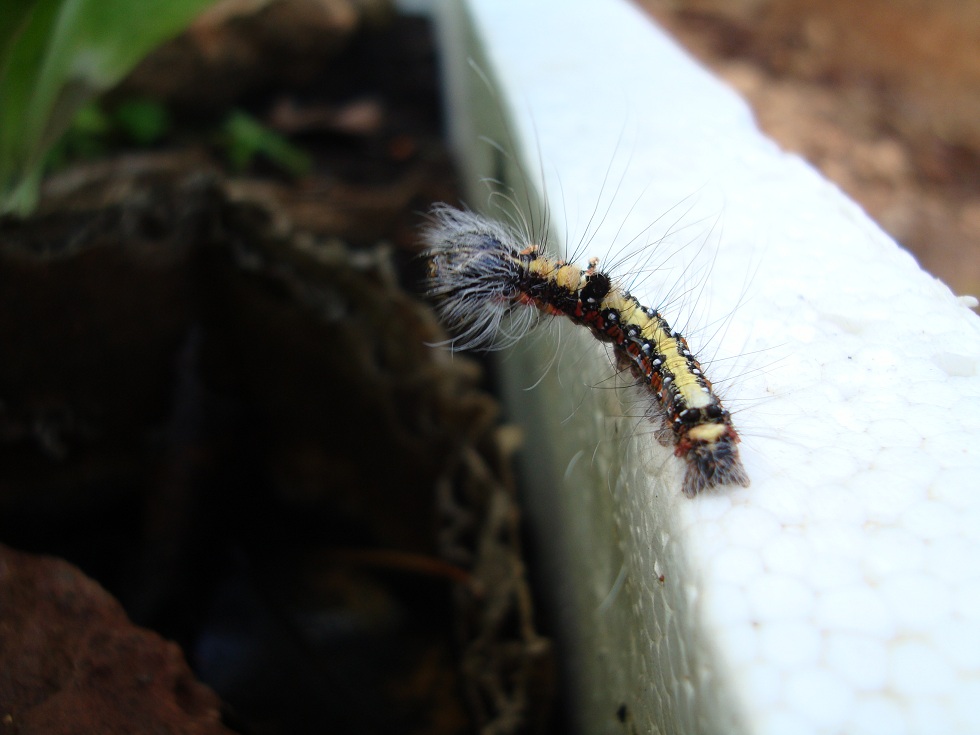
482, 270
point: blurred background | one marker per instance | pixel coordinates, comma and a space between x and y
883, 96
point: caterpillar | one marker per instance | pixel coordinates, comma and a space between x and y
482, 270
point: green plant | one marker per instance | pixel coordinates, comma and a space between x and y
93, 130
244, 138
56, 55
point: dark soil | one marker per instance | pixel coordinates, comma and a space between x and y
220, 401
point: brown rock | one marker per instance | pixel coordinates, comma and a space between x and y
72, 662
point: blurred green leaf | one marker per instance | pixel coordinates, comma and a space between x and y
58, 54
93, 131
244, 138
85, 138
90, 120
143, 121
13, 20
